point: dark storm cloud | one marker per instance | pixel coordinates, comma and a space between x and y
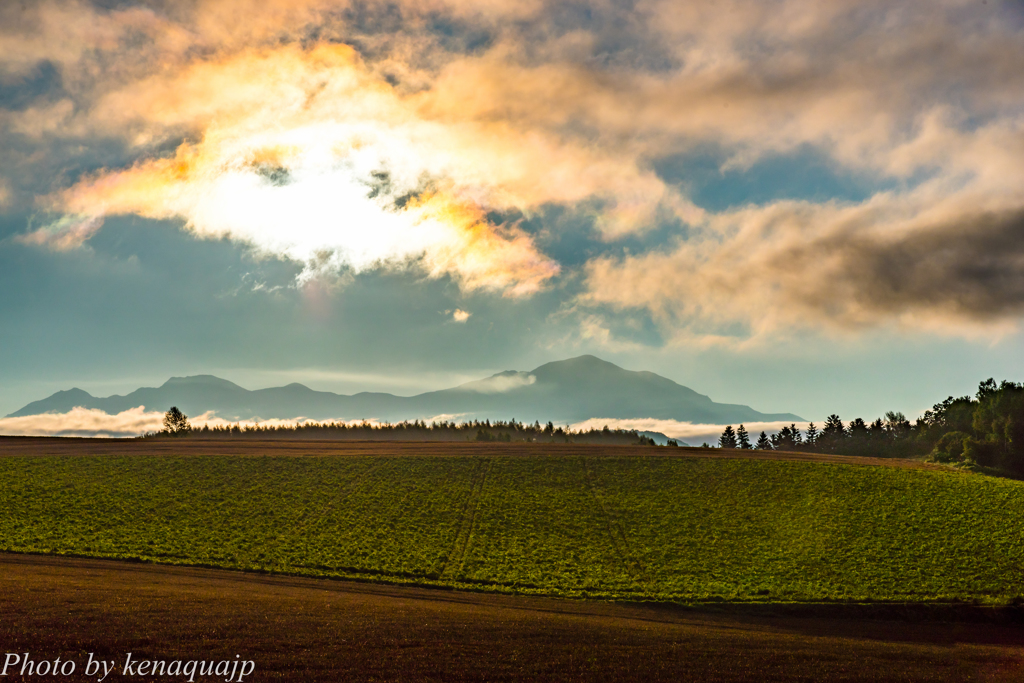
972, 268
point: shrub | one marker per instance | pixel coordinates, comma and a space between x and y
950, 448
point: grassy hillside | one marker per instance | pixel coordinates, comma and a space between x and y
690, 529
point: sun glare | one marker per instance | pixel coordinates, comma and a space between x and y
328, 167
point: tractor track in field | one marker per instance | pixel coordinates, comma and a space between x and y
616, 532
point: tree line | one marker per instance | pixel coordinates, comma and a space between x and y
176, 424
981, 431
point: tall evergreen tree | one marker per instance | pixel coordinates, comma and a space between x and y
858, 438
764, 443
833, 435
742, 438
728, 438
834, 428
812, 436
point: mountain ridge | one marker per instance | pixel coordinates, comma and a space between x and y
565, 391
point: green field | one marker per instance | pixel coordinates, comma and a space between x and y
683, 529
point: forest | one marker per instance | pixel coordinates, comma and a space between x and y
985, 431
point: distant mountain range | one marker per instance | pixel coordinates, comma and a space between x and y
565, 391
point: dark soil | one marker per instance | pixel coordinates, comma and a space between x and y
321, 630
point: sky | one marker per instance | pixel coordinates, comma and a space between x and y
806, 207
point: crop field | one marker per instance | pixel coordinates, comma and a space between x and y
613, 524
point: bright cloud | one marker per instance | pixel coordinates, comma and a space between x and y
85, 422
306, 155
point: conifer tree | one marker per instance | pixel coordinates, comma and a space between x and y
764, 443
833, 435
728, 438
742, 438
786, 439
834, 429
812, 435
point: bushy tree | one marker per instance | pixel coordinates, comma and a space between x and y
176, 422
987, 389
952, 415
950, 448
897, 426
728, 438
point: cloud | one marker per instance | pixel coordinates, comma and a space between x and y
691, 433
355, 137
84, 422
305, 154
64, 234
460, 316
68, 32
796, 265
37, 122
499, 384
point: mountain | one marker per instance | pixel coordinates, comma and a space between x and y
563, 391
